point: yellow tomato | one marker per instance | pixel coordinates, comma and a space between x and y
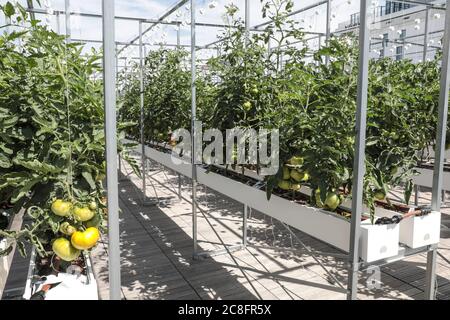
61, 208
64, 249
83, 214
296, 186
85, 240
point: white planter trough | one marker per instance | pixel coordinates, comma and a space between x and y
419, 231
376, 241
72, 286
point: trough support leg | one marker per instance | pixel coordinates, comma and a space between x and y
430, 283
244, 226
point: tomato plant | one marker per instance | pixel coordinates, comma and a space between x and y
312, 103
52, 141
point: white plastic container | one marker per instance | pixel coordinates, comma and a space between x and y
416, 232
89, 284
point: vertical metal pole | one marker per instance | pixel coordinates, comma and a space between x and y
358, 168
439, 152
244, 226
68, 27
416, 194
193, 131
425, 38
247, 18
327, 32
109, 78
179, 186
145, 201
58, 23
141, 106
178, 36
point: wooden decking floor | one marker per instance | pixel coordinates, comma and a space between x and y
156, 253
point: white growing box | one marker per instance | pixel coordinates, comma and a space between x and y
417, 232
376, 241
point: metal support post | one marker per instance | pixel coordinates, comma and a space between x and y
416, 194
425, 37
58, 23
327, 31
193, 131
178, 35
68, 27
438, 173
109, 78
244, 226
179, 187
360, 143
145, 201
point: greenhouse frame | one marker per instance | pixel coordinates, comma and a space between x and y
115, 51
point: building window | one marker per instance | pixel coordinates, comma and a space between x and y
399, 53
403, 34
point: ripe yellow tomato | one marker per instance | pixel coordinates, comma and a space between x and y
64, 249
83, 214
85, 240
61, 208
296, 186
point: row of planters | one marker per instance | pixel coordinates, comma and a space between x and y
312, 104
52, 149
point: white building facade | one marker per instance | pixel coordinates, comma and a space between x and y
402, 30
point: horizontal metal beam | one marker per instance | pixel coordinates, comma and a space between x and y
154, 21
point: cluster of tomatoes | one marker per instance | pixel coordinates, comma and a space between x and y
294, 176
69, 247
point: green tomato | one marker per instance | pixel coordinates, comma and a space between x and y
296, 175
286, 173
379, 195
93, 205
296, 161
332, 201
306, 176
83, 214
61, 208
284, 185
296, 186
247, 105
64, 249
